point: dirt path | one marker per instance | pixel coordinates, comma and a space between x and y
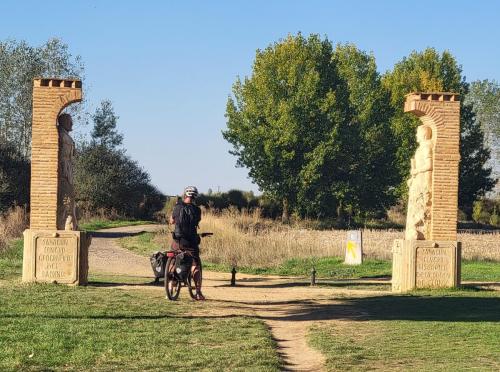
288, 306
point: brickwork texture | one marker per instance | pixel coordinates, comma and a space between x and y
441, 112
50, 97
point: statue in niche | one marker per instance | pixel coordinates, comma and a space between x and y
66, 209
420, 188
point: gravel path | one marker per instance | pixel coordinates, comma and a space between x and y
288, 306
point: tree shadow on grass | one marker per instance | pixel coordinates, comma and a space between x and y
414, 307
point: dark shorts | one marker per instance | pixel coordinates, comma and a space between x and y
193, 250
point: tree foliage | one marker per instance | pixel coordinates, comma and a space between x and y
104, 132
20, 63
298, 123
427, 71
432, 71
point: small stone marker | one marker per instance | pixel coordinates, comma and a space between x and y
354, 248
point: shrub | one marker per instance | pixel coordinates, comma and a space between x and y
12, 225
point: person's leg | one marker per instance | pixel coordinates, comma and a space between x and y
197, 275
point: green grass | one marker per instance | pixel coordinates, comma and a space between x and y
481, 271
11, 260
425, 331
51, 327
97, 224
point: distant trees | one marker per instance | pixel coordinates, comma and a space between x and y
109, 180
320, 130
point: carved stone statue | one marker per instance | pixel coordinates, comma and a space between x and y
66, 209
420, 188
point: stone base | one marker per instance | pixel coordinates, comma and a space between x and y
425, 264
56, 256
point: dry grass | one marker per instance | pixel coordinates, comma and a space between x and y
12, 225
246, 239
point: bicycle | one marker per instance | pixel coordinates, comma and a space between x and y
178, 272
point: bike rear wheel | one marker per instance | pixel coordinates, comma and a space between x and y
172, 284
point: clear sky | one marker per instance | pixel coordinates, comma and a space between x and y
168, 67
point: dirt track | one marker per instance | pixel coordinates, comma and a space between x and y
288, 306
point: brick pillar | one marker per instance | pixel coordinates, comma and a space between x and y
441, 111
50, 97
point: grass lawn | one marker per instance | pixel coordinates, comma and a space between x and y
326, 267
54, 327
425, 331
97, 224
11, 261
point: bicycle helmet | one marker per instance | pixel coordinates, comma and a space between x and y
191, 191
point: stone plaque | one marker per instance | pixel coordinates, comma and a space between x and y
425, 264
56, 258
354, 248
434, 267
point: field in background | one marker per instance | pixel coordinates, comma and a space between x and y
262, 246
247, 239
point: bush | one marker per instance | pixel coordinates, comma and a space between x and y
12, 224
485, 211
495, 218
14, 178
107, 179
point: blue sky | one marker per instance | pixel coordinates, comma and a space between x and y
168, 67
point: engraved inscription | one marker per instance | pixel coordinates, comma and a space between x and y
433, 267
55, 258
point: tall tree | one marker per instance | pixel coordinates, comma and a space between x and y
104, 132
286, 121
20, 63
311, 125
432, 71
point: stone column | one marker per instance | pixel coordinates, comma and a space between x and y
51, 254
429, 256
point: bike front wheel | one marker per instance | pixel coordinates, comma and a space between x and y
172, 284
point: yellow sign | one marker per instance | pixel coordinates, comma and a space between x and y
351, 248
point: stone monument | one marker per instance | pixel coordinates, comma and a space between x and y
54, 250
429, 256
354, 248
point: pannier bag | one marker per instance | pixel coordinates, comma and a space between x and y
183, 264
158, 262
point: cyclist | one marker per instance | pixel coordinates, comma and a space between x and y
186, 216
